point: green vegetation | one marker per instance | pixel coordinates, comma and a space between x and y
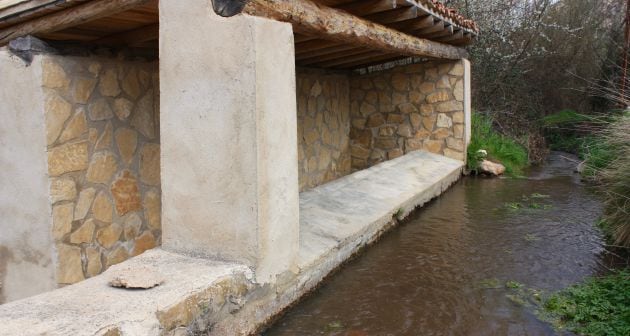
608, 163
500, 148
564, 118
599, 306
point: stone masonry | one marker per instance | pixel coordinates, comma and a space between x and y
323, 126
102, 132
406, 108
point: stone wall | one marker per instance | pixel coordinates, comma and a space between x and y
323, 126
102, 136
406, 108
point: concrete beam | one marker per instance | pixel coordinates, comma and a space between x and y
229, 137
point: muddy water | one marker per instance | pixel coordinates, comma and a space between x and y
444, 272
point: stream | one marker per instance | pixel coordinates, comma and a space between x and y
471, 262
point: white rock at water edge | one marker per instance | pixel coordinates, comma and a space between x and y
492, 168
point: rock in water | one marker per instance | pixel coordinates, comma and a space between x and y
492, 168
137, 277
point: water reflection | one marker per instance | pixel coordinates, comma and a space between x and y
444, 272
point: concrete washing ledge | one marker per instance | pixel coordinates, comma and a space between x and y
201, 296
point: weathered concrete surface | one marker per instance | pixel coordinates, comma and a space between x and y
467, 101
337, 219
26, 244
348, 212
228, 134
92, 307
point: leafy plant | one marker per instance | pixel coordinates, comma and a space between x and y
499, 147
599, 306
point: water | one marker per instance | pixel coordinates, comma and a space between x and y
444, 271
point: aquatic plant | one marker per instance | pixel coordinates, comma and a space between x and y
599, 306
499, 147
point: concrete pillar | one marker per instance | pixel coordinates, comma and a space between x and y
26, 243
467, 103
228, 130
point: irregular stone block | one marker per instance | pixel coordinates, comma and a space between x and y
102, 208
77, 126
444, 121
150, 164
433, 146
453, 154
375, 120
126, 140
67, 158
142, 119
407, 108
132, 224
53, 75
131, 84
144, 242
108, 85
126, 193
102, 167
117, 256
100, 110
400, 82
449, 106
62, 220
86, 196
69, 266
83, 88
439, 96
62, 189
123, 108
105, 140
84, 233
109, 235
94, 264
456, 144
57, 112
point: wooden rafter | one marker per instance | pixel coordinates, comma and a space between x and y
340, 26
67, 18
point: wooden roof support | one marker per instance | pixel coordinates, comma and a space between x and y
366, 7
337, 25
67, 18
136, 36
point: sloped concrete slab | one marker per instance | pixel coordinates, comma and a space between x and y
362, 203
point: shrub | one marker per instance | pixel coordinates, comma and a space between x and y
499, 147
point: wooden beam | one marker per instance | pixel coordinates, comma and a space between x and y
366, 54
416, 24
370, 61
333, 56
324, 51
137, 36
394, 15
337, 25
366, 7
67, 18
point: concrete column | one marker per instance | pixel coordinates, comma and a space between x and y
26, 243
228, 131
467, 103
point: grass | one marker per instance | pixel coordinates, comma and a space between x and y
499, 147
599, 306
608, 163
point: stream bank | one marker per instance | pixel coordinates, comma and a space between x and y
459, 265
